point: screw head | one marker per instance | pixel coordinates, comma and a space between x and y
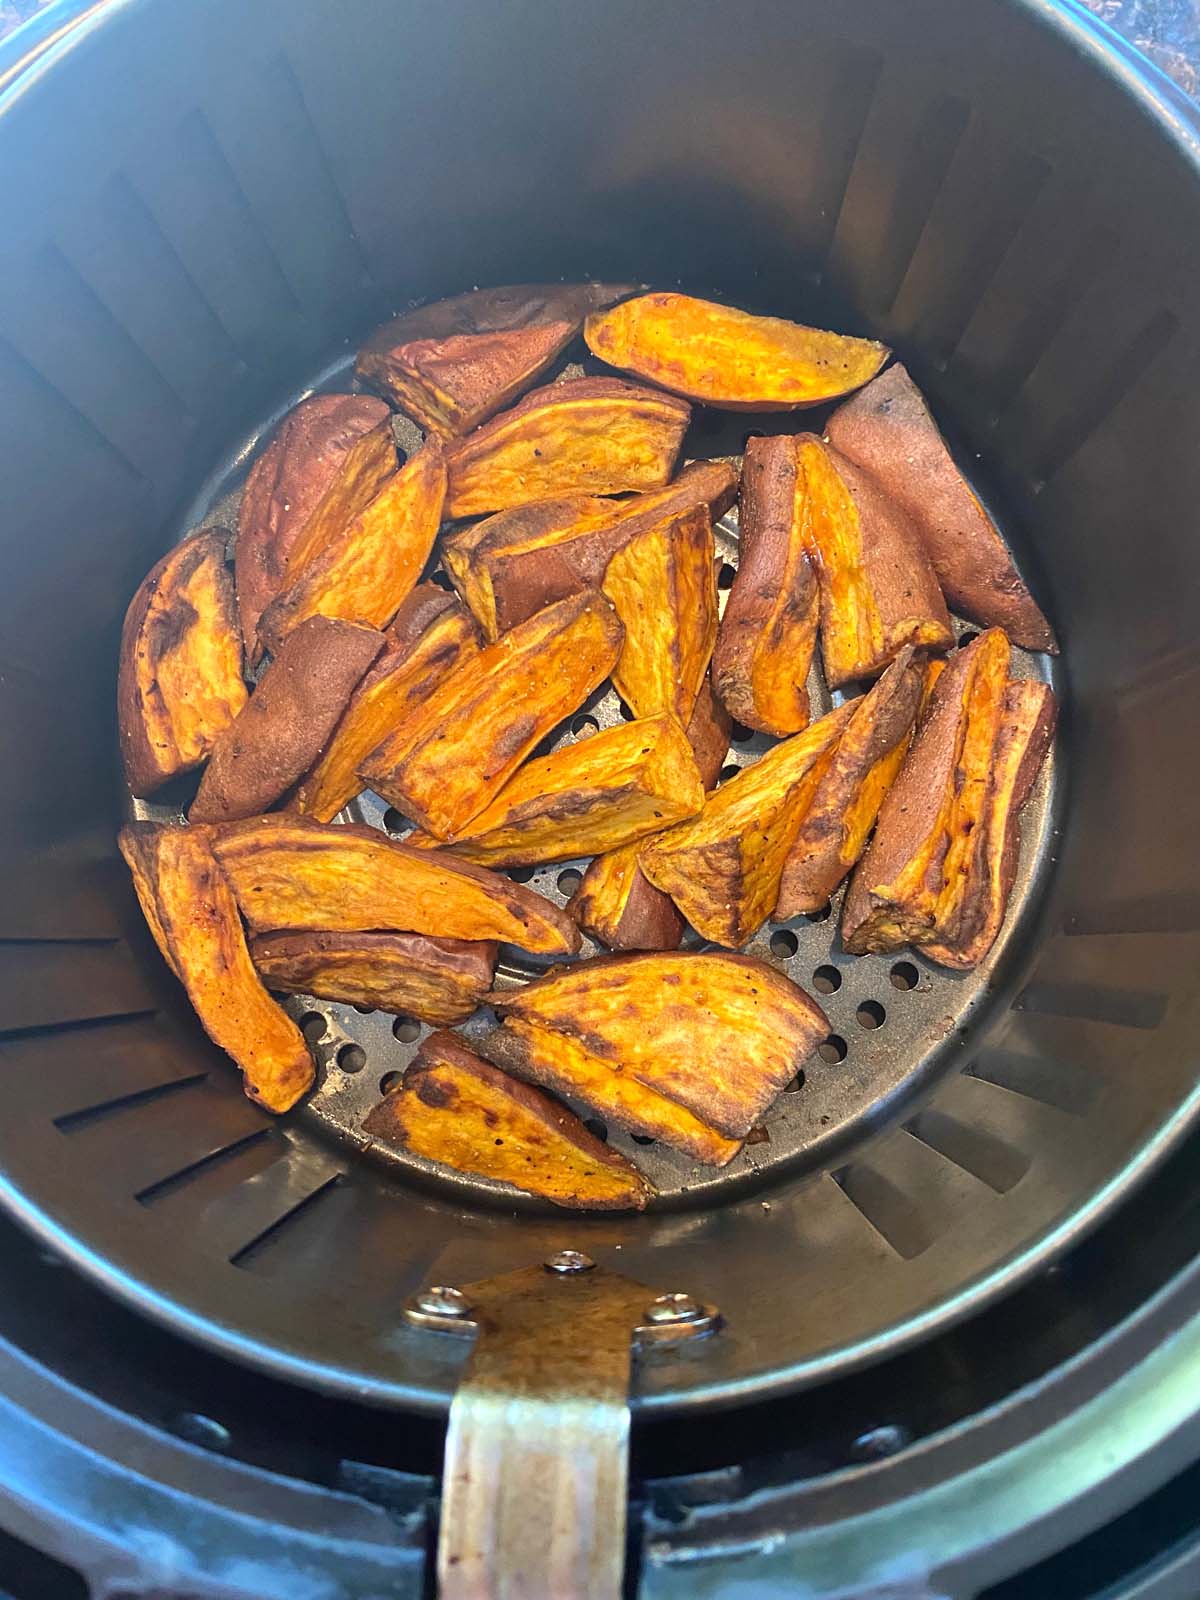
673, 1308
566, 1261
440, 1300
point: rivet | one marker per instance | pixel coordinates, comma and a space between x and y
565, 1261
442, 1301
672, 1308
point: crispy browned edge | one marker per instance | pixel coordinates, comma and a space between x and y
533, 579
444, 1047
911, 806
289, 960
983, 912
287, 721
141, 768
766, 533
887, 430
284, 487
516, 896
882, 718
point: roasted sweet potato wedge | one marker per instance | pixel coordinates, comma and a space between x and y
288, 719
664, 589
722, 869
582, 436
846, 802
1026, 729
878, 590
446, 765
138, 843
559, 1062
514, 563
196, 918
289, 872
909, 886
719, 1034
728, 358
620, 784
327, 459
180, 679
453, 1108
888, 432
431, 635
511, 309
434, 980
615, 902
363, 570
766, 639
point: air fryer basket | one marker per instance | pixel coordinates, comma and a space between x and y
237, 195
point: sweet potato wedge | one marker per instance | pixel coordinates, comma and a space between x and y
289, 872
366, 566
766, 639
196, 917
562, 1064
456, 1109
878, 590
888, 432
1027, 721
664, 589
431, 635
620, 784
582, 436
434, 980
846, 802
510, 309
327, 459
728, 358
722, 869
179, 683
138, 843
719, 1034
615, 902
446, 765
514, 563
287, 721
909, 886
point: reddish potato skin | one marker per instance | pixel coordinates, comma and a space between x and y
284, 487
287, 721
435, 980
769, 628
886, 429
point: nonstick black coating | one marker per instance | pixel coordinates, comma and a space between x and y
238, 195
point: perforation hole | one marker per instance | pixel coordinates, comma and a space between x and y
964, 639
394, 822
797, 1083
352, 1058
569, 880
833, 1050
312, 1026
520, 874
390, 1081
584, 725
627, 713
871, 1015
726, 576
822, 914
731, 770
784, 944
904, 975
597, 1128
740, 735
406, 1030
827, 980
643, 1138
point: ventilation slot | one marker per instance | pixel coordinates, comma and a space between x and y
1060, 1084
975, 1150
1124, 1008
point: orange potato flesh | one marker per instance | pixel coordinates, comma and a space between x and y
389, 697
450, 385
1026, 730
138, 845
728, 358
455, 1109
365, 568
562, 1064
197, 917
909, 886
291, 872
512, 564
434, 980
766, 639
664, 589
180, 679
368, 467
584, 436
327, 459
878, 591
719, 1034
442, 769
723, 868
847, 800
618, 785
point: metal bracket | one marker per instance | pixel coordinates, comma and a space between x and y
537, 1451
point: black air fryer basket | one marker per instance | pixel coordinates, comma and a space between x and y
207, 208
